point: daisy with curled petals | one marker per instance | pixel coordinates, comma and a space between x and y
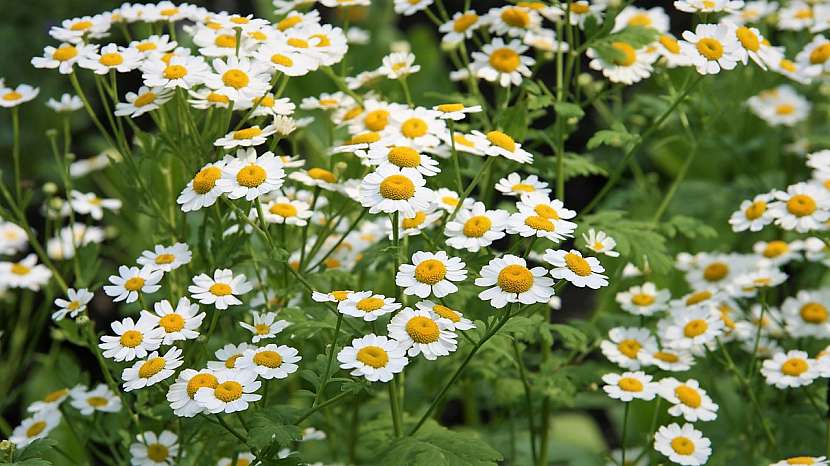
265, 326
144, 100
625, 345
668, 47
111, 57
410, 7
35, 427
152, 370
74, 304
455, 111
580, 271
627, 65
806, 314
204, 98
335, 296
630, 386
166, 258
500, 143
239, 78
600, 243
227, 356
682, 445
413, 226
389, 189
50, 402
374, 357
461, 26
514, 185
711, 48
132, 339
644, 300
790, 370
753, 214
502, 63
537, 202
468, 143
431, 273
287, 211
476, 228
367, 305
234, 391
203, 190
222, 290
154, 450
532, 225
802, 207
21, 94
131, 282
316, 177
688, 400
250, 176
439, 311
509, 280
271, 361
672, 360
692, 328
246, 137
181, 393
63, 57
184, 72
752, 45
420, 332
180, 323
399, 65
99, 399
67, 103
92, 205
448, 200
810, 460
404, 158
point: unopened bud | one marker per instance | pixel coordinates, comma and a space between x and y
50, 188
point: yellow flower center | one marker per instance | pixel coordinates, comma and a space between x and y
146, 46
670, 43
516, 17
376, 120
236, 79
748, 38
165, 258
794, 367
225, 41
322, 174
56, 395
296, 42
628, 56
230, 363
801, 460
450, 201
251, 176
801, 205
804, 13
577, 264
35, 429
688, 396
460, 139
446, 313
172, 323
289, 22
682, 446
642, 299
199, 381
515, 279
414, 128
666, 357
151, 367
262, 329
430, 271
775, 249
502, 140
422, 330
131, 338
404, 157
630, 384
522, 188
81, 26
716, 271
144, 99
205, 180
247, 133
639, 19
787, 65
814, 313
580, 8
505, 60
157, 452
169, 11
477, 226
820, 54
340, 295
538, 222
369, 304
414, 222
710, 48
220, 289
134, 284
629, 347
695, 328
228, 391
449, 108
282, 60
64, 53
785, 109
373, 356
270, 359
463, 22
13, 95
20, 269
755, 210
174, 72
215, 98
97, 401
397, 187
111, 59
283, 209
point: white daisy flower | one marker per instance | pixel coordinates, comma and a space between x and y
811, 460
668, 47
205, 98
265, 326
154, 450
455, 111
420, 332
797, 15
688, 400
459, 322
711, 47
100, 398
628, 66
154, 45
410, 7
270, 361
228, 355
790, 370
74, 304
13, 239
284, 59
67, 103
692, 328
50, 402
653, 18
166, 258
376, 358
476, 228
753, 45
404, 158
753, 214
413, 226
286, 211
580, 271
241, 458
399, 65
502, 144
184, 72
21, 94
389, 189
461, 26
111, 57
251, 176
181, 394
682, 445
145, 100
625, 345
581, 10
671, 360
447, 200
222, 290
509, 280
806, 314
600, 243
203, 189
708, 6
63, 57
367, 305
316, 177
152, 370
92, 205
234, 391
335, 296
131, 282
431, 273
780, 106
514, 185
532, 225
179, 324
420, 128
502, 62
814, 58
467, 143
133, 339
35, 427
246, 137
513, 20
239, 78
78, 30
630, 386
26, 273
803, 207
644, 300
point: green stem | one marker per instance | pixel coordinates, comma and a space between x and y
528, 399
624, 429
322, 388
455, 162
394, 405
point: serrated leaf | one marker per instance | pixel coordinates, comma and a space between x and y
568, 110
617, 136
434, 445
581, 165
268, 427
689, 227
639, 241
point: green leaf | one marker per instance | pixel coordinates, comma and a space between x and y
575, 165
434, 445
268, 427
689, 227
617, 136
639, 241
572, 337
568, 110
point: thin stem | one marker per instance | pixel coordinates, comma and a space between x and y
322, 388
395, 406
456, 165
624, 429
528, 399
